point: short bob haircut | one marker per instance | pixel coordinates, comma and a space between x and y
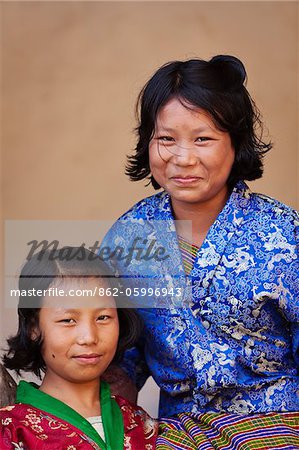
215, 86
44, 270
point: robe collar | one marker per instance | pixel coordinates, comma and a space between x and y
28, 393
229, 220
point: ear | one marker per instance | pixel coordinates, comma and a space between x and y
31, 326
35, 334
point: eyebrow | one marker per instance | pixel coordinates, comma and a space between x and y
64, 311
171, 130
76, 311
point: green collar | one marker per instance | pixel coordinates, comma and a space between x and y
28, 393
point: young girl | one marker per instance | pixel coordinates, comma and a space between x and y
70, 328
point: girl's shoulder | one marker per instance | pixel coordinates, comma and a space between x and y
16, 412
9, 409
256, 203
270, 204
28, 427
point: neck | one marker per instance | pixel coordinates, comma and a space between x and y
200, 216
82, 397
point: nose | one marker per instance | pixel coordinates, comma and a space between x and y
87, 334
185, 157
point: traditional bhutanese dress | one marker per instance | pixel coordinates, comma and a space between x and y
210, 431
40, 422
222, 336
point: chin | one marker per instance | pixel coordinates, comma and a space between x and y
84, 380
188, 198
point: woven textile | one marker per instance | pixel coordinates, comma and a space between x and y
189, 252
230, 432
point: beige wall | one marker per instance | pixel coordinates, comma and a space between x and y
71, 72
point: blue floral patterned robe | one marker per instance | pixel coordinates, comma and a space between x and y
230, 342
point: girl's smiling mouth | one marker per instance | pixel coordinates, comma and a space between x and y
91, 358
185, 180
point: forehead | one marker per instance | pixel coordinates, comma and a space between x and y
177, 112
79, 293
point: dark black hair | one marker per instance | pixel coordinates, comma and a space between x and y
215, 86
40, 272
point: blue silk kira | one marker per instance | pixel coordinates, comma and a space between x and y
230, 342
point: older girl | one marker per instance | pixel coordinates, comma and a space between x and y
221, 303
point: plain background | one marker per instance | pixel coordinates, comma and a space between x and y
71, 72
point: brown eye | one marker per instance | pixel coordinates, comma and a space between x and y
66, 321
203, 139
165, 138
103, 318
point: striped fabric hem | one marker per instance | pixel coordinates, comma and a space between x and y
271, 431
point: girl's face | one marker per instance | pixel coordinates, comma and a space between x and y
189, 157
79, 342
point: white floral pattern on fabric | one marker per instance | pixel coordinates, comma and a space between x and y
232, 343
18, 445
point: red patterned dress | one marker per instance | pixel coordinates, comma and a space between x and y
41, 422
